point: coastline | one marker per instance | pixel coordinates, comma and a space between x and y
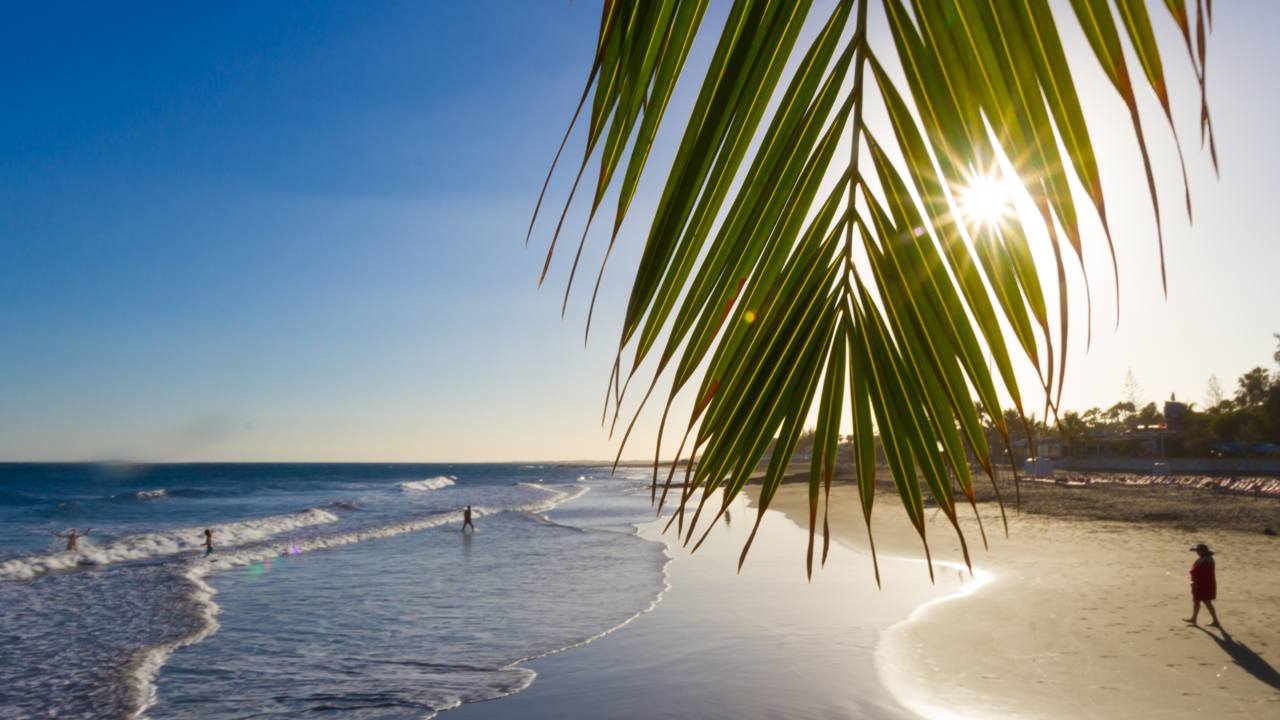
1078, 617
723, 644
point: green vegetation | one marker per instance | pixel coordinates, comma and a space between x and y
1247, 424
1241, 425
799, 256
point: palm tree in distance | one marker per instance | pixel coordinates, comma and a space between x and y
798, 256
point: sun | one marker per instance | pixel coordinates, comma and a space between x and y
985, 201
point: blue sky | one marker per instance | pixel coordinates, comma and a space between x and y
284, 231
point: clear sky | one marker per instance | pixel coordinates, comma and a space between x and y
277, 231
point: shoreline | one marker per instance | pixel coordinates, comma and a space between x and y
719, 644
146, 664
1076, 613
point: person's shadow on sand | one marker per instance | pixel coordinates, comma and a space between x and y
1246, 658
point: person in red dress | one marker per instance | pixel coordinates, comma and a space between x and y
1204, 584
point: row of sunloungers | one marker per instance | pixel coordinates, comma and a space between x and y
1258, 486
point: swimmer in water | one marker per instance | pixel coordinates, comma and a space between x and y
208, 542
466, 520
72, 537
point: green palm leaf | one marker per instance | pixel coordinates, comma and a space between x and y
783, 280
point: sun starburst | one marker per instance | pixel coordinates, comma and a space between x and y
986, 200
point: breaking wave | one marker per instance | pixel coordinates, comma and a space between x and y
159, 544
147, 663
435, 483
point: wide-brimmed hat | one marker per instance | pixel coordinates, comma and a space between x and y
1202, 548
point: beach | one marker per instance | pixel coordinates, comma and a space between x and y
348, 589
346, 346
763, 643
1080, 618
1067, 617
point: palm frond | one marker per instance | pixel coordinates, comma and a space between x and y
782, 278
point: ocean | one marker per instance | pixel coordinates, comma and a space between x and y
344, 589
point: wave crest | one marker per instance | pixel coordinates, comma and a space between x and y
433, 483
147, 664
157, 544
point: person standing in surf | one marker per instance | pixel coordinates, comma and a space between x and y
72, 537
1204, 584
466, 520
208, 542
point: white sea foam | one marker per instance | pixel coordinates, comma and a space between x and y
151, 494
894, 661
157, 544
558, 496
434, 483
240, 558
147, 663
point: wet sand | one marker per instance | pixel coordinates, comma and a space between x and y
760, 644
1081, 618
1067, 617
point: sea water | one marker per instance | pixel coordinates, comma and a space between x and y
343, 589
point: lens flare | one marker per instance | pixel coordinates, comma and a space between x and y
986, 201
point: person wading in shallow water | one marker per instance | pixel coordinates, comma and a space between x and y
1204, 584
208, 542
72, 537
466, 520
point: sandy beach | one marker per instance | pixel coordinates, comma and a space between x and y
762, 643
1068, 617
1079, 618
